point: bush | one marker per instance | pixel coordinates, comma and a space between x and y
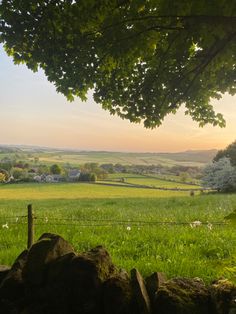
228, 152
87, 177
4, 175
220, 176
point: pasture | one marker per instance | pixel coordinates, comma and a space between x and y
127, 222
149, 181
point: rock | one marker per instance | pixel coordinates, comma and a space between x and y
12, 286
7, 307
51, 278
47, 249
123, 274
57, 270
53, 296
153, 283
141, 297
4, 270
94, 261
117, 296
86, 274
182, 296
223, 294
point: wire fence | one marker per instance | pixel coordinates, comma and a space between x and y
13, 220
31, 221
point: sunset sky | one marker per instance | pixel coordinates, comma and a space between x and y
32, 113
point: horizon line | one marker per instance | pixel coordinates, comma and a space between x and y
104, 151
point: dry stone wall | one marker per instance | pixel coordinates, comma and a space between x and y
51, 278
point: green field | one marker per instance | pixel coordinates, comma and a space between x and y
75, 191
154, 182
148, 181
125, 221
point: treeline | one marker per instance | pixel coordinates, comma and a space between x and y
35, 170
177, 170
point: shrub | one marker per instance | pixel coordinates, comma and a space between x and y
220, 176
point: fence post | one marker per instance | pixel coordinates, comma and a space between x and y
30, 227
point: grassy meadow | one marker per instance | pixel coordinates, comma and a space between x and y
155, 182
169, 182
125, 220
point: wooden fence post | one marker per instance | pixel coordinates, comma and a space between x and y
30, 227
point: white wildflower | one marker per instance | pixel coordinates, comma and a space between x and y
209, 226
5, 226
128, 228
196, 223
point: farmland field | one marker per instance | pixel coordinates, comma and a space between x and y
149, 181
76, 158
126, 221
154, 182
77, 191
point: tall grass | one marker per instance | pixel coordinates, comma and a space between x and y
177, 250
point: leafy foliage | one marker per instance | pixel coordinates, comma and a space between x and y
229, 152
220, 175
55, 169
4, 175
18, 173
142, 59
87, 177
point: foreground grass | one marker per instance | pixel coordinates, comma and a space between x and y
177, 250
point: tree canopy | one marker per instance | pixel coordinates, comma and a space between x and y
55, 169
142, 59
228, 152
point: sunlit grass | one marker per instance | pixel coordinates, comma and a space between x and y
77, 191
177, 250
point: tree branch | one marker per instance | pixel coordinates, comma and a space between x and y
202, 67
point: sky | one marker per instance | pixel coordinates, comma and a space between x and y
33, 113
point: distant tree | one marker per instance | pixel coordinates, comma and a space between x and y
90, 166
19, 164
87, 177
183, 176
36, 160
120, 168
43, 169
220, 175
55, 169
229, 152
108, 168
93, 167
2, 177
19, 173
92, 177
141, 59
6, 164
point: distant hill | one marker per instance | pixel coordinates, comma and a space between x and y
75, 157
202, 156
